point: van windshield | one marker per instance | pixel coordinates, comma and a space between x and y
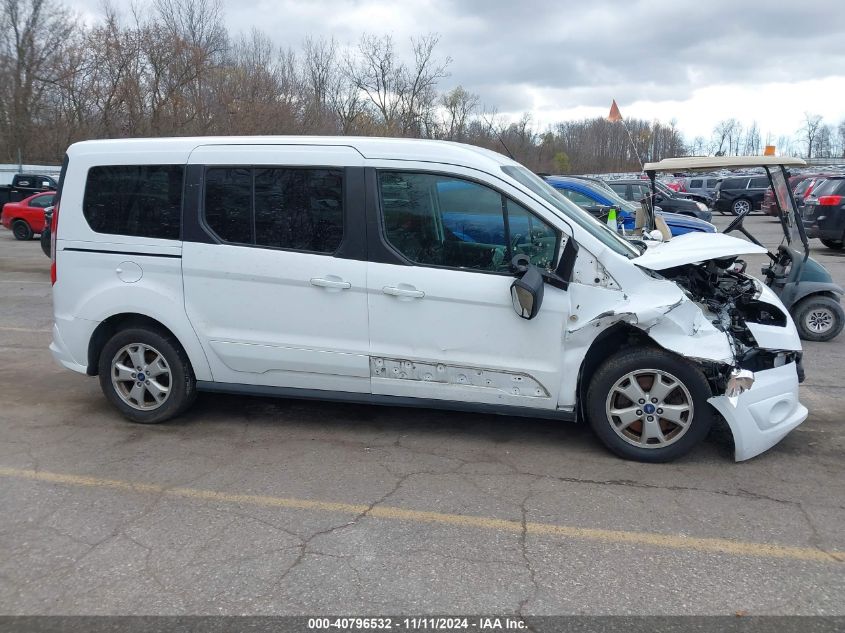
597, 229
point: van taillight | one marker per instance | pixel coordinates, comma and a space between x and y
54, 226
830, 201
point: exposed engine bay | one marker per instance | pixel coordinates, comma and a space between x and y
730, 300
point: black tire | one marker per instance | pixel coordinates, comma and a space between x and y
741, 202
21, 230
809, 315
834, 244
679, 439
181, 382
45, 242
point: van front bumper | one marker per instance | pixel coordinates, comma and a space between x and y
762, 416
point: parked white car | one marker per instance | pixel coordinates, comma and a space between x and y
407, 272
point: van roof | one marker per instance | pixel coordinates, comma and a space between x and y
368, 147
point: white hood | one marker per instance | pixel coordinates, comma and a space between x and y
692, 248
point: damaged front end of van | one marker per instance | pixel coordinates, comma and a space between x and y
695, 300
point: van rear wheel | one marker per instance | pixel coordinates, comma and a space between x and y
648, 405
146, 375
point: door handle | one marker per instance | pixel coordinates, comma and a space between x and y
331, 282
403, 292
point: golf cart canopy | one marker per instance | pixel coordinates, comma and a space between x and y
691, 163
775, 167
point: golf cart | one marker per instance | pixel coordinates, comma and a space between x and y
802, 284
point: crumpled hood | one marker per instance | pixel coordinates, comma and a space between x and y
692, 248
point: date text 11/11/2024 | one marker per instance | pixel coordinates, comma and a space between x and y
431, 623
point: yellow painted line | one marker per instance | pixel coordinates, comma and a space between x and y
651, 539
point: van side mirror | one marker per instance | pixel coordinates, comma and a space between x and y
527, 291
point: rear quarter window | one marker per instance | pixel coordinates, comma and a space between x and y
759, 182
135, 200
830, 187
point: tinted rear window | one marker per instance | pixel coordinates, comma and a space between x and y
695, 183
734, 183
759, 182
136, 200
834, 186
803, 185
277, 207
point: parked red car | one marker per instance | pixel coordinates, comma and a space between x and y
768, 205
26, 217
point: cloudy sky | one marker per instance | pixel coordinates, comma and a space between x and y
694, 61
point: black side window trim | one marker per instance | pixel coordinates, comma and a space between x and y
181, 214
252, 168
373, 181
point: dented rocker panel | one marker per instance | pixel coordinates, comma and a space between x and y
512, 383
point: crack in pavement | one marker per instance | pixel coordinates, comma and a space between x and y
523, 543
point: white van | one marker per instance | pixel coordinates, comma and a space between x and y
404, 272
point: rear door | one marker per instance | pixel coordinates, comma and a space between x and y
275, 279
442, 324
757, 189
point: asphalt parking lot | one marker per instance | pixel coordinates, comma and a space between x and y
256, 506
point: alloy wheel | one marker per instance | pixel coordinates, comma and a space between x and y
141, 376
741, 206
649, 408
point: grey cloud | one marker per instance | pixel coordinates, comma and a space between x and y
589, 52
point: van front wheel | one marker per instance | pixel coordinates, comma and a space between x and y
648, 405
146, 375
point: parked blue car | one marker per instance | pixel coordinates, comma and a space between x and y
589, 196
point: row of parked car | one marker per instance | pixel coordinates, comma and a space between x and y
819, 199
685, 203
681, 214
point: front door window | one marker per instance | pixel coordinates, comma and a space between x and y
438, 220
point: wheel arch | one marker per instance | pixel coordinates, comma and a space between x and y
624, 335
616, 337
121, 321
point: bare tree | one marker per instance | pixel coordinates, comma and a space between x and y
420, 86
169, 67
752, 140
723, 134
346, 102
824, 142
458, 106
319, 74
785, 145
810, 129
841, 132
29, 52
381, 77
